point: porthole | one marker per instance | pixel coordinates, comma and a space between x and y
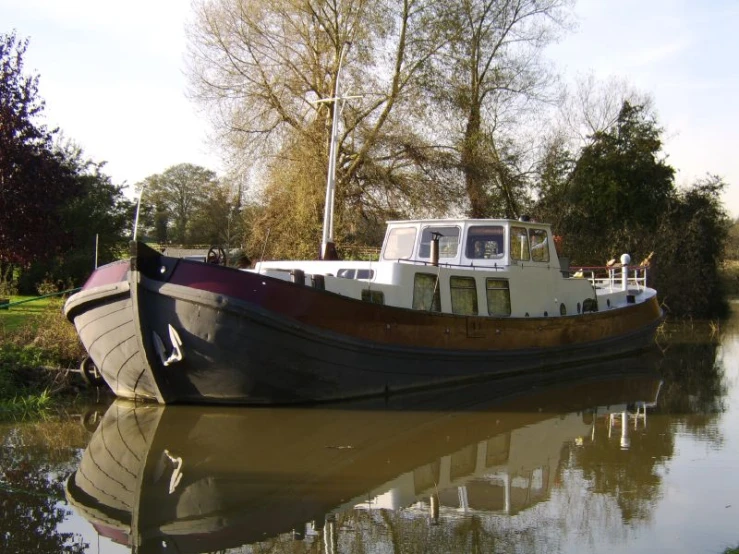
608, 302
578, 307
562, 309
546, 314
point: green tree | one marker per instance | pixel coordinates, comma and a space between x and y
176, 195
218, 220
619, 186
98, 220
732, 241
35, 179
688, 249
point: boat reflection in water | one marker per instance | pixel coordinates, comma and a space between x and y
199, 479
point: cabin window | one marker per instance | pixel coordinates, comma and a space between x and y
484, 242
539, 245
356, 274
426, 293
400, 243
448, 242
464, 295
499, 297
373, 296
519, 244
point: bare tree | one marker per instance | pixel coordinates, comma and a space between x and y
592, 106
263, 66
490, 76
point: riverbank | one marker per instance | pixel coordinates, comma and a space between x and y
39, 355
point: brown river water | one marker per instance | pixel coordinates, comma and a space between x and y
638, 454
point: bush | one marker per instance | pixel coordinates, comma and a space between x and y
688, 249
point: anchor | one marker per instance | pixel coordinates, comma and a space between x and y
176, 355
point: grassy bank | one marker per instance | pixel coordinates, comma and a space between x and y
38, 347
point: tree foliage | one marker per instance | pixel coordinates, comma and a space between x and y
617, 195
98, 221
688, 247
616, 190
176, 195
35, 179
267, 68
489, 75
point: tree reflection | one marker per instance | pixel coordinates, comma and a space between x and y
695, 387
630, 475
34, 462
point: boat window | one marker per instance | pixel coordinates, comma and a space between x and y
499, 297
484, 242
448, 242
539, 245
355, 273
400, 243
373, 296
464, 295
519, 244
426, 293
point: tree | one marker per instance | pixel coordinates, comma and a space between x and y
488, 75
97, 219
732, 241
35, 179
619, 186
177, 194
688, 248
218, 221
268, 70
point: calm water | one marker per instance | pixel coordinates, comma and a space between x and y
642, 456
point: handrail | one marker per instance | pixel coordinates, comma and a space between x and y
612, 276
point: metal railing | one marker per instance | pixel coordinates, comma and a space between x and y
612, 276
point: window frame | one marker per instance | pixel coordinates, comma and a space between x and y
393, 235
505, 292
518, 232
477, 234
456, 288
426, 245
419, 303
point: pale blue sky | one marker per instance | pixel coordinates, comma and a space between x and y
111, 75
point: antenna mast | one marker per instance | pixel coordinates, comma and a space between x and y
328, 248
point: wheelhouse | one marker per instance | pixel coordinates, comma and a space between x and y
487, 243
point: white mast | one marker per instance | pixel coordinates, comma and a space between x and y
327, 242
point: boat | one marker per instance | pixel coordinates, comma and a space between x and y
447, 300
209, 478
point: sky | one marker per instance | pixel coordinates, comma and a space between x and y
112, 76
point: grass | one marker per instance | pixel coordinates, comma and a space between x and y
25, 407
36, 342
15, 317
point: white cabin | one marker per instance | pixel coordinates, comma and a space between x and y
472, 267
